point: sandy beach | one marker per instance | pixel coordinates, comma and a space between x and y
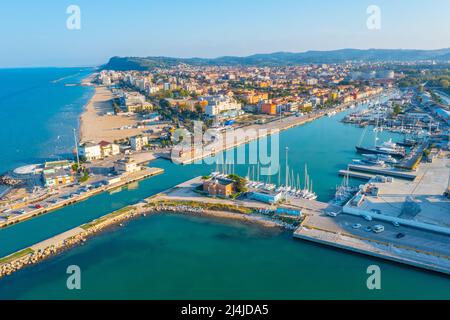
97, 125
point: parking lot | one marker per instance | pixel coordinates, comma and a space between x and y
414, 238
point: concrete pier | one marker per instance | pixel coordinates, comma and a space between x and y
383, 171
354, 174
418, 248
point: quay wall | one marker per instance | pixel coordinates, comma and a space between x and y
149, 172
374, 253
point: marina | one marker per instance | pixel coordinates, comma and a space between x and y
320, 169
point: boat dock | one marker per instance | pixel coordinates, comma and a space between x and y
383, 171
354, 174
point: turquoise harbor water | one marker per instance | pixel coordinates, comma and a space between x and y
187, 257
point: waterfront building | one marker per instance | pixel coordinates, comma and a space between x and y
90, 151
138, 142
133, 108
269, 108
266, 197
57, 173
93, 151
135, 102
108, 149
219, 187
126, 165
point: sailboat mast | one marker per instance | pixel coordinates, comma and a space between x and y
376, 133
279, 176
287, 168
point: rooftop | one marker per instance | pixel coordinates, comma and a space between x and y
426, 191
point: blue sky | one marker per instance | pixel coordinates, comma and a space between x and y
34, 33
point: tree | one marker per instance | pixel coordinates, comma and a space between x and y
240, 183
397, 109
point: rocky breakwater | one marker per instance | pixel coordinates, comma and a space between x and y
57, 244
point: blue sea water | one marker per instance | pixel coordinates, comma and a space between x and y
39, 108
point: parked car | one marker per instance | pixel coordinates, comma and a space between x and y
378, 228
332, 214
368, 218
356, 226
400, 235
368, 229
396, 224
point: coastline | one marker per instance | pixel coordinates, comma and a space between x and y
98, 122
168, 202
133, 211
65, 241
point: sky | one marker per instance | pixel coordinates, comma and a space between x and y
35, 33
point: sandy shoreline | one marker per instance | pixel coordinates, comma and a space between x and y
98, 121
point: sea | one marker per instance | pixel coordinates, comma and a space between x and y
175, 256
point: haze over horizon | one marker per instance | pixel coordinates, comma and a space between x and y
207, 29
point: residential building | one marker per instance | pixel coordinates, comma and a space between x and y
126, 165
108, 149
138, 142
218, 104
269, 108
90, 151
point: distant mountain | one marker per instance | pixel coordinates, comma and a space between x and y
283, 58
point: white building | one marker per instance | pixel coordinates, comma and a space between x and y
109, 149
220, 103
90, 151
138, 142
126, 165
311, 81
93, 151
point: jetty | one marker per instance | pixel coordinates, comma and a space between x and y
354, 174
378, 170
